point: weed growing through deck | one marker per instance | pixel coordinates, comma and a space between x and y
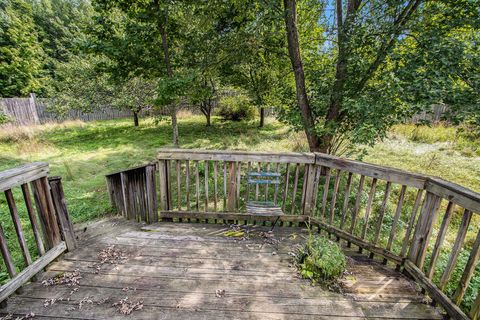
320, 259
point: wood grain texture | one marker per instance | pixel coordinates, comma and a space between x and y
177, 268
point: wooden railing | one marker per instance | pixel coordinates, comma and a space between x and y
50, 223
398, 216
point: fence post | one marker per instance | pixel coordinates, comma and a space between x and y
423, 229
33, 108
58, 197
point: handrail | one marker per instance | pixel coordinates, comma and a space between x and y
22, 174
49, 223
348, 198
222, 155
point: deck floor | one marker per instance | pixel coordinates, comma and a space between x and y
193, 271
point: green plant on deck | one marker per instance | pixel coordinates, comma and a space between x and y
320, 259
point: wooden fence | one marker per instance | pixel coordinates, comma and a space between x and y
50, 223
396, 215
25, 111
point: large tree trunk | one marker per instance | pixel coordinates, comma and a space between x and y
262, 117
290, 15
168, 65
135, 118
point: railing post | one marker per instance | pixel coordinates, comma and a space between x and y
423, 229
46, 209
164, 192
58, 197
151, 191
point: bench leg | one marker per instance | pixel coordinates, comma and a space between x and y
275, 223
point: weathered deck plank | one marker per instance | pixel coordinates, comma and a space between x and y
176, 269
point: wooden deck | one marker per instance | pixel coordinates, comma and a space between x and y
193, 271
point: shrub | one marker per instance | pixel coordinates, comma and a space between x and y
3, 118
236, 108
320, 259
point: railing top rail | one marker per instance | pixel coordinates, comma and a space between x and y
226, 155
455, 193
22, 174
372, 170
130, 169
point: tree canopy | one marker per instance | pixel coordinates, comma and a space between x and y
343, 71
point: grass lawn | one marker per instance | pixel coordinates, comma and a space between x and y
82, 153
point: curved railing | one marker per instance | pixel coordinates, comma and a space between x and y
400, 217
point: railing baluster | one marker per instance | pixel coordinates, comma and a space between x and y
187, 183
295, 187
179, 186
325, 191
309, 189
7, 258
275, 194
468, 271
356, 209
33, 219
266, 184
231, 188
224, 186
475, 310
346, 200
368, 209
462, 232
396, 217
197, 187
285, 187
336, 184
215, 185
411, 223
257, 187
247, 187
440, 237
381, 213
206, 185
239, 181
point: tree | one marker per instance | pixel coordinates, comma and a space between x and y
204, 92
135, 94
20, 53
139, 38
60, 28
81, 84
384, 66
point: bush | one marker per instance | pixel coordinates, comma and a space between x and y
3, 118
236, 108
320, 259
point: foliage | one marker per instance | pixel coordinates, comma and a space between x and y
20, 53
236, 108
80, 85
474, 286
60, 26
320, 259
3, 118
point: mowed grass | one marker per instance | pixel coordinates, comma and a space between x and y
82, 153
